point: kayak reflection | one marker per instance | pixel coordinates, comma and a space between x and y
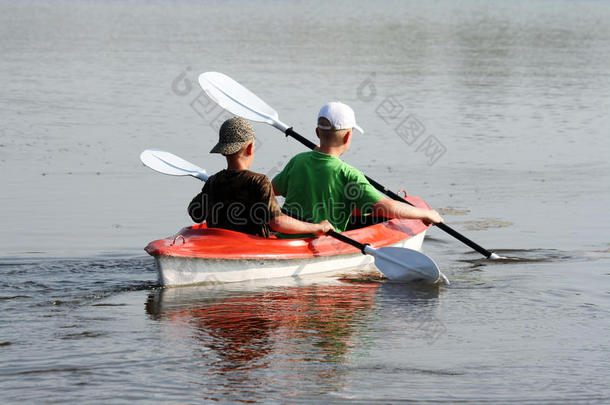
244, 327
248, 325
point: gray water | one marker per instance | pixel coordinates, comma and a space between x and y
495, 112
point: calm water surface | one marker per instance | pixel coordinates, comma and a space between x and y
495, 112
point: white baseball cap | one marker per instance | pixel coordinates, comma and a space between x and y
340, 116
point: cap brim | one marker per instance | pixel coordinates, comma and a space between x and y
228, 148
357, 127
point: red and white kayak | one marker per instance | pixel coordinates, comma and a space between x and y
201, 255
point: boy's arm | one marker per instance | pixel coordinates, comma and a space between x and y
280, 180
286, 224
197, 208
395, 209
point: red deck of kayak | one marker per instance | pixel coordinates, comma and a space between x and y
200, 242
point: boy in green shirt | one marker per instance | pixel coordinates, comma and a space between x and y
318, 185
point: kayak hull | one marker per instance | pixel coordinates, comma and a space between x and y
201, 255
176, 271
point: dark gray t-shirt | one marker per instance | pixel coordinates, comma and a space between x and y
238, 200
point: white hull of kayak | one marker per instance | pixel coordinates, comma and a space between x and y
178, 271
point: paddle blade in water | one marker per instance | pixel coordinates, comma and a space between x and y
236, 99
406, 265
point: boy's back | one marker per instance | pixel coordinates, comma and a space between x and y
319, 186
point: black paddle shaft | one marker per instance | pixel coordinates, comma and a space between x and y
347, 240
394, 196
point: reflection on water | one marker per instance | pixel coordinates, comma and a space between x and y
291, 325
244, 329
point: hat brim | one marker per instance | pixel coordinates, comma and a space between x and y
356, 127
228, 148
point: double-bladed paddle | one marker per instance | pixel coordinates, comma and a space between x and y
397, 264
240, 101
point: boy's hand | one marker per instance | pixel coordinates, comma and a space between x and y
433, 217
324, 227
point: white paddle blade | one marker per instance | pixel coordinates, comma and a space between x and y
168, 163
406, 265
236, 99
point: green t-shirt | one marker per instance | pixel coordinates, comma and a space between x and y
318, 186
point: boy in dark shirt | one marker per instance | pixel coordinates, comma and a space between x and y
240, 200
